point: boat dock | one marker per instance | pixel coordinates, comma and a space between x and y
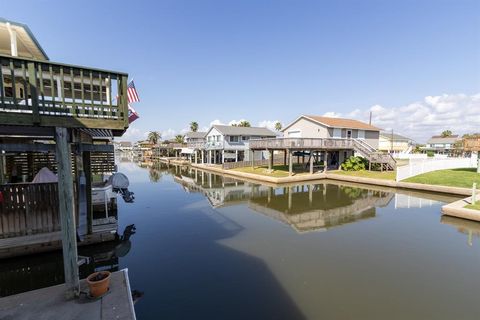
50, 303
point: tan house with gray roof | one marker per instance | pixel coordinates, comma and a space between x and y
308, 126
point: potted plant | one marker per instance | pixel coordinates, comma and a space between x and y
98, 283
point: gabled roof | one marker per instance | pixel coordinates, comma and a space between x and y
388, 135
195, 135
243, 131
440, 139
27, 44
337, 123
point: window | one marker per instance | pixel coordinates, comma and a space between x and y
245, 138
233, 138
337, 132
361, 134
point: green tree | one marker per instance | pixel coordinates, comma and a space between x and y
446, 133
154, 175
179, 138
194, 126
278, 126
244, 123
154, 137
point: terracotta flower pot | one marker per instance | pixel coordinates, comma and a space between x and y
98, 282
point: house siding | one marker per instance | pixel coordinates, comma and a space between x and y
309, 129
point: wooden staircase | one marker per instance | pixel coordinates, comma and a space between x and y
385, 160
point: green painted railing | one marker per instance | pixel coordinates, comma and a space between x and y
46, 93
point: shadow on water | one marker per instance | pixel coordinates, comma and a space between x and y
32, 272
198, 278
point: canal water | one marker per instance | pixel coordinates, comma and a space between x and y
208, 247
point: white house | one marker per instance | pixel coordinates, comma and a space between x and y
442, 145
229, 143
394, 143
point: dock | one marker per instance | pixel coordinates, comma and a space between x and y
50, 303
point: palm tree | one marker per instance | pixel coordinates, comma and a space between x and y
194, 126
154, 137
278, 126
179, 138
154, 175
446, 133
244, 123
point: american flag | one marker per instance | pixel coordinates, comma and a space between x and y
132, 93
132, 114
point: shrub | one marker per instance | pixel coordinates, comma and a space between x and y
430, 154
354, 164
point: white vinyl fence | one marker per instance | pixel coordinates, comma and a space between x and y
419, 166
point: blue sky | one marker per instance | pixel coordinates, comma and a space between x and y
264, 61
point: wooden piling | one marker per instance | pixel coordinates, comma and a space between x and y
66, 211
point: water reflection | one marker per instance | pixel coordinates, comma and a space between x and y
304, 207
467, 227
32, 272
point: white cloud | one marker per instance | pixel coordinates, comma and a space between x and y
232, 122
133, 134
419, 120
168, 134
216, 121
270, 124
332, 114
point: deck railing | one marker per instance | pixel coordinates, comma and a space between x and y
298, 143
28, 208
46, 93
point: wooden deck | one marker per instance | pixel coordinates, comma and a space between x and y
50, 303
50, 94
301, 144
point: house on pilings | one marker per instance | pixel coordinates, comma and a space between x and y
62, 117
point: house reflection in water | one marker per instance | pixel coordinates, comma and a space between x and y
467, 227
304, 207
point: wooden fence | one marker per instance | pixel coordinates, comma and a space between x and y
28, 209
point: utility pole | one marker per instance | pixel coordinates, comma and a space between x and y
391, 142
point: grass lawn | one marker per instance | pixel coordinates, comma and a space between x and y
475, 206
462, 177
278, 171
385, 175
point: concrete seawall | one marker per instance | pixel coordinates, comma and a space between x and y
331, 176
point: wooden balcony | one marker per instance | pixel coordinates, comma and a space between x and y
301, 143
49, 94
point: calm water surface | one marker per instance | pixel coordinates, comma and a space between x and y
209, 247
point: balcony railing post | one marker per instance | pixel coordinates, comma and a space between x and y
32, 80
123, 104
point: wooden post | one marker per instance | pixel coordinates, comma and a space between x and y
66, 211
290, 162
270, 161
2, 168
285, 157
87, 168
311, 162
310, 194
325, 162
474, 193
253, 157
478, 161
290, 193
81, 196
